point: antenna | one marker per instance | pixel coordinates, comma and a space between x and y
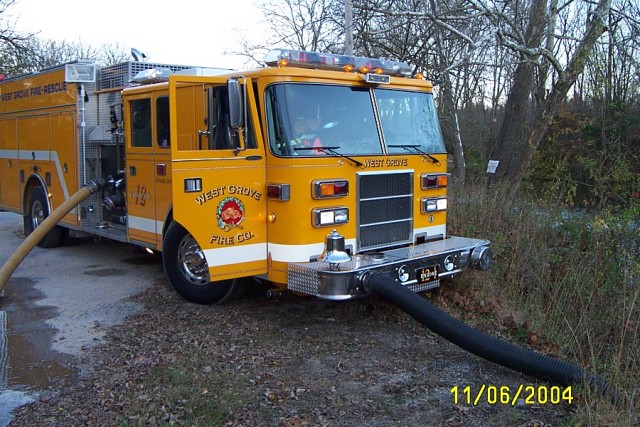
137, 55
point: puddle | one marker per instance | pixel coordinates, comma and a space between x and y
27, 363
10, 400
60, 304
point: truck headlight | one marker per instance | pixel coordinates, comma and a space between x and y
433, 204
322, 217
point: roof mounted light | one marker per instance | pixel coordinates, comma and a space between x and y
152, 75
336, 62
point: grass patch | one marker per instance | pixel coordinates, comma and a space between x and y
190, 394
569, 281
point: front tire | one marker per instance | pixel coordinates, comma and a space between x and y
37, 213
186, 268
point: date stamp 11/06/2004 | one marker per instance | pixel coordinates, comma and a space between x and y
512, 396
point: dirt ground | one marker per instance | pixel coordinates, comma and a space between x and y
280, 361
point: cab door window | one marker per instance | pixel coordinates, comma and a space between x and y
162, 122
204, 124
221, 136
141, 123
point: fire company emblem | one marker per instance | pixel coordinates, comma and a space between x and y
230, 213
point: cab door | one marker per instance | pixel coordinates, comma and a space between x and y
218, 176
148, 166
140, 170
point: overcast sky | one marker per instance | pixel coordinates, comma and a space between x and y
185, 32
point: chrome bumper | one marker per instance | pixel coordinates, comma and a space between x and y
418, 267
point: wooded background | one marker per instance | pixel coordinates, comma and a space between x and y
549, 88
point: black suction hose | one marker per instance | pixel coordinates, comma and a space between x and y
516, 358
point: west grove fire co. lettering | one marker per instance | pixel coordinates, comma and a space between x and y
230, 212
225, 190
231, 240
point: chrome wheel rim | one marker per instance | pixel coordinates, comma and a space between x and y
193, 262
37, 214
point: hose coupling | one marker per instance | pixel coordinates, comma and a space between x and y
95, 184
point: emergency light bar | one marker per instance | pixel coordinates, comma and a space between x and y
335, 62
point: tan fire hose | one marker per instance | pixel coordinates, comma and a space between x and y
38, 234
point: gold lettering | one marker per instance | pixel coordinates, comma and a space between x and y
208, 195
243, 237
222, 240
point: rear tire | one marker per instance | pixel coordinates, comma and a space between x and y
37, 213
188, 272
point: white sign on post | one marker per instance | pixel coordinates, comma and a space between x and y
493, 165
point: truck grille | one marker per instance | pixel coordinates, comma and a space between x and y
385, 209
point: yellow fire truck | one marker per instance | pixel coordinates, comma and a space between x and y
308, 174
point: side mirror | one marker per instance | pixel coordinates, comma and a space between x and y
236, 104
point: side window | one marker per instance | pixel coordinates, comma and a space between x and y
250, 140
221, 136
141, 122
162, 122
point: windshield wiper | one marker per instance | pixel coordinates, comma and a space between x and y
418, 150
331, 150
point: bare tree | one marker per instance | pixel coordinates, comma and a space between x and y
515, 155
8, 34
112, 53
543, 75
13, 46
516, 58
315, 25
48, 53
36, 54
520, 102
425, 35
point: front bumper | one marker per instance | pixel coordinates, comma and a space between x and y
419, 267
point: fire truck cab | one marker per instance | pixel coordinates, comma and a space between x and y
309, 174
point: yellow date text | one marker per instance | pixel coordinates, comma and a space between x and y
508, 395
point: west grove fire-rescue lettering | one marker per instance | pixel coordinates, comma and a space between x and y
35, 91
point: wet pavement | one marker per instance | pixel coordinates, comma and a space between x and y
58, 303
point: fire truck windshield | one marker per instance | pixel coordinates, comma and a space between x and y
325, 120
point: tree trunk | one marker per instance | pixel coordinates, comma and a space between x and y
547, 110
452, 131
452, 126
515, 129
516, 167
